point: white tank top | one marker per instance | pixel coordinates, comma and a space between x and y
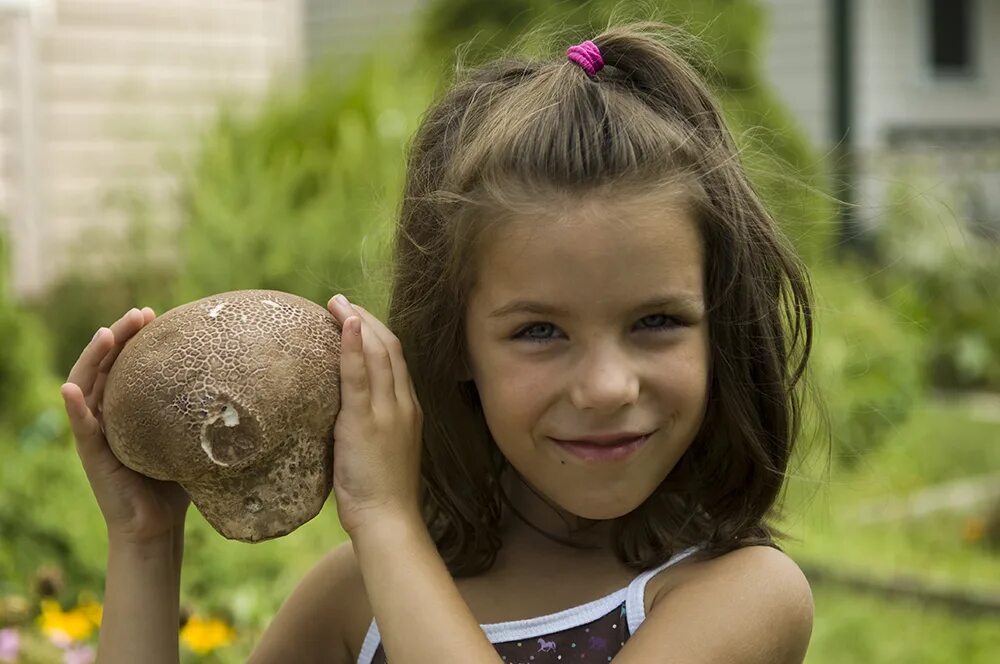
601, 626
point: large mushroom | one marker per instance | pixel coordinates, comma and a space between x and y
233, 396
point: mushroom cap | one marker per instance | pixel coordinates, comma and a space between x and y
233, 396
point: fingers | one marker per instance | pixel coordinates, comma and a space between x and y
126, 331
354, 384
384, 356
84, 372
97, 356
378, 364
84, 425
388, 378
92, 447
123, 330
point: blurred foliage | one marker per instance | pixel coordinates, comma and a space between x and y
84, 299
288, 198
855, 627
299, 197
25, 378
944, 277
867, 361
950, 544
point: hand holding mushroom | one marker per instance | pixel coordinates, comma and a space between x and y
378, 432
137, 509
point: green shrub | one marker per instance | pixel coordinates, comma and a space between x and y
48, 516
24, 363
946, 279
300, 197
867, 362
294, 197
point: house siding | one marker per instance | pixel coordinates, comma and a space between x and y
796, 62
120, 88
914, 129
346, 30
895, 86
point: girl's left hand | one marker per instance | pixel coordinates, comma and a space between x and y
378, 433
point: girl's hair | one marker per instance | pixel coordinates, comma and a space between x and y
514, 134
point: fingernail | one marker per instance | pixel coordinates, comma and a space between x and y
98, 333
341, 300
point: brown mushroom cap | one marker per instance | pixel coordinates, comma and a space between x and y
234, 397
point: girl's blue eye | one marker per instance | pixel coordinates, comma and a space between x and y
667, 324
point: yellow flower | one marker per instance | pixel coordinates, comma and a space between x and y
205, 635
92, 610
59, 625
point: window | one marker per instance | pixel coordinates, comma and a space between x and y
950, 37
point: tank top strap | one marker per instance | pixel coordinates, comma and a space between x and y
635, 605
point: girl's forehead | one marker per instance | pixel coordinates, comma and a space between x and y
596, 233
612, 255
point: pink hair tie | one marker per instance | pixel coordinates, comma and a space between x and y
587, 55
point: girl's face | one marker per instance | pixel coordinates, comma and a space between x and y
616, 341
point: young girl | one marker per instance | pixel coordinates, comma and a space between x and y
563, 444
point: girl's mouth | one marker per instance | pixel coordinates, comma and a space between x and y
614, 452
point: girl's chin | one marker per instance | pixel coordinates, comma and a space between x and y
599, 511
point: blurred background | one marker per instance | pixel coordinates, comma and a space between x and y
152, 153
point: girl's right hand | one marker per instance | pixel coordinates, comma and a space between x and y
137, 509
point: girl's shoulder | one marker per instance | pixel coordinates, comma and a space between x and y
758, 592
705, 570
704, 576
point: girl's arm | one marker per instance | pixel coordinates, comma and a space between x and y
313, 623
749, 606
378, 437
141, 603
421, 616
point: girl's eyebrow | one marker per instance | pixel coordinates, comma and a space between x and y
684, 300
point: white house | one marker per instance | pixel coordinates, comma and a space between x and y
910, 86
95, 95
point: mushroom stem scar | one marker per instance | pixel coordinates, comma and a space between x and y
230, 418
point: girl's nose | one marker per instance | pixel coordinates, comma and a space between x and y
605, 386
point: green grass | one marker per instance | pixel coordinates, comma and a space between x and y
853, 627
940, 442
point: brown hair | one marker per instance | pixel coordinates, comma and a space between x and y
515, 131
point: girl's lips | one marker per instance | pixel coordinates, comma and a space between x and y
590, 452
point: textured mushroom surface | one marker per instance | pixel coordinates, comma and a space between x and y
233, 396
